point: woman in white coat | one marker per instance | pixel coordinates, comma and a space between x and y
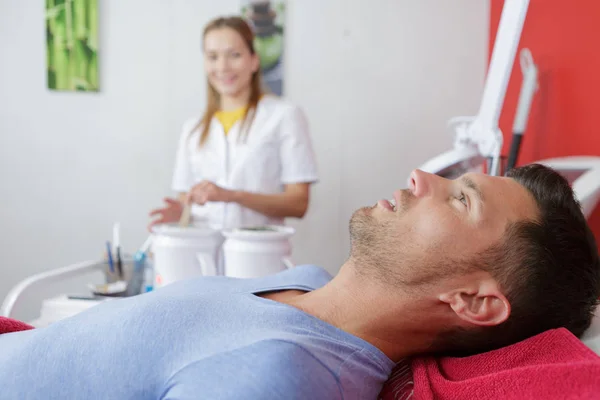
249, 160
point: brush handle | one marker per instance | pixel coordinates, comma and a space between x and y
111, 264
119, 263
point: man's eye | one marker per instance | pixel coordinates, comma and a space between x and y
462, 198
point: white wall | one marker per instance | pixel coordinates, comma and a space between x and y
378, 81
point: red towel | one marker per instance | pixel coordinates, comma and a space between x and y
551, 365
8, 325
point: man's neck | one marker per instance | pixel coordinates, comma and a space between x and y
398, 326
233, 102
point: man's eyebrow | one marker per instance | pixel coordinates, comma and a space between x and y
468, 182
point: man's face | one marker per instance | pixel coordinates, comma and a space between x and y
437, 226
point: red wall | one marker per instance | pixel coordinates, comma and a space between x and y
564, 39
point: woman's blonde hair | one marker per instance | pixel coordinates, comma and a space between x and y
213, 100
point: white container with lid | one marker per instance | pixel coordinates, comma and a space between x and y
258, 251
185, 252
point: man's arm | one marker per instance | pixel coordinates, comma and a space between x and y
264, 370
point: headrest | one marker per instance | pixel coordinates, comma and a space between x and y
591, 337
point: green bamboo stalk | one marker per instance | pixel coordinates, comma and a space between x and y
49, 46
93, 71
50, 21
61, 53
51, 79
71, 69
49, 40
80, 52
92, 44
69, 24
80, 19
50, 62
92, 23
70, 44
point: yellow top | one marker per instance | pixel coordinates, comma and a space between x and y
229, 118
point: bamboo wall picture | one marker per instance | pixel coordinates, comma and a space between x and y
72, 44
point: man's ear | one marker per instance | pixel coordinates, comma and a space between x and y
481, 304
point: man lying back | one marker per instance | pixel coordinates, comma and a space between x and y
450, 266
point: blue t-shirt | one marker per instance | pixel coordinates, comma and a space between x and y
206, 338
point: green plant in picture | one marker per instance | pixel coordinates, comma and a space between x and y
269, 49
267, 17
72, 44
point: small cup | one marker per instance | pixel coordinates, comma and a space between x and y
133, 274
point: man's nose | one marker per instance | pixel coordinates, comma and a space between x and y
423, 184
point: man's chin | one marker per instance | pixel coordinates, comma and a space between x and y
361, 224
364, 210
361, 215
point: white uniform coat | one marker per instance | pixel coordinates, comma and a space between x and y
276, 151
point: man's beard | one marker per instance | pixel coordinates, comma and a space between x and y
368, 233
365, 230
386, 249
376, 249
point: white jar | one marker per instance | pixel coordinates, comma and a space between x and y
252, 252
185, 252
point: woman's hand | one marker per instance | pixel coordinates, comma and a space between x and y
207, 191
170, 213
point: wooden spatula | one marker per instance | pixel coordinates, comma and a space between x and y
186, 215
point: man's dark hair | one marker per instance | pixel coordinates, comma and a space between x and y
548, 268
